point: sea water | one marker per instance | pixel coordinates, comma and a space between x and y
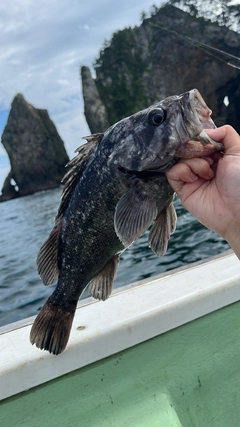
26, 222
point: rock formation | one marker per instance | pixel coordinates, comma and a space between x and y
95, 111
145, 64
8, 191
36, 151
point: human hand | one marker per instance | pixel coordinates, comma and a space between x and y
209, 187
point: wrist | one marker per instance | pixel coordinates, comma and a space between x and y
233, 238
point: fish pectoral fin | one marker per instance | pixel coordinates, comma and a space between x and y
134, 213
101, 285
163, 227
47, 262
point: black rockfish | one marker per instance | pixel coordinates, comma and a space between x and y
116, 188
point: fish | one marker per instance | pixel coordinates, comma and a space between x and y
115, 189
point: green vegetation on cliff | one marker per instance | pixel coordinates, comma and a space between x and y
122, 82
224, 12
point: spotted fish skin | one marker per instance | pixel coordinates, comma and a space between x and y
114, 191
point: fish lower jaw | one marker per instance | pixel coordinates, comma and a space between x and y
197, 149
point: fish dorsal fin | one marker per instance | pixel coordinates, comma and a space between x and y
77, 167
92, 141
163, 227
101, 285
47, 259
134, 213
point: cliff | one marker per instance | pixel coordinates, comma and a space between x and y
36, 151
94, 110
145, 64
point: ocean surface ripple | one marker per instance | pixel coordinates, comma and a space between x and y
26, 222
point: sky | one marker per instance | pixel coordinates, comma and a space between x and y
44, 44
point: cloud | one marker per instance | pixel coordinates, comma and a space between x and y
43, 45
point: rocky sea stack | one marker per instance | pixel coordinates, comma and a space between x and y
95, 111
36, 152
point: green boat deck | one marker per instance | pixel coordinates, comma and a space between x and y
188, 377
162, 352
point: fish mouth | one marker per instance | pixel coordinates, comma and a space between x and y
198, 143
193, 117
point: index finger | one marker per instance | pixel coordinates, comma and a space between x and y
228, 136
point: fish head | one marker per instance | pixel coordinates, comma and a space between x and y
155, 138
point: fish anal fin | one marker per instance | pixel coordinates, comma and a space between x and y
134, 213
163, 227
47, 259
101, 285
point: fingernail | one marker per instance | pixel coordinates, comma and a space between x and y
193, 176
209, 160
210, 173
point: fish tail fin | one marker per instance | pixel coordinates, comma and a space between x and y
52, 326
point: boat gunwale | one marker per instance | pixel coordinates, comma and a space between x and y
90, 300
133, 315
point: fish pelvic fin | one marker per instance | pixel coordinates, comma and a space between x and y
101, 285
134, 213
47, 259
52, 326
172, 218
163, 227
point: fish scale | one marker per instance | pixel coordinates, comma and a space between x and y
115, 189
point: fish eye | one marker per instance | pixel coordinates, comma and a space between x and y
156, 116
